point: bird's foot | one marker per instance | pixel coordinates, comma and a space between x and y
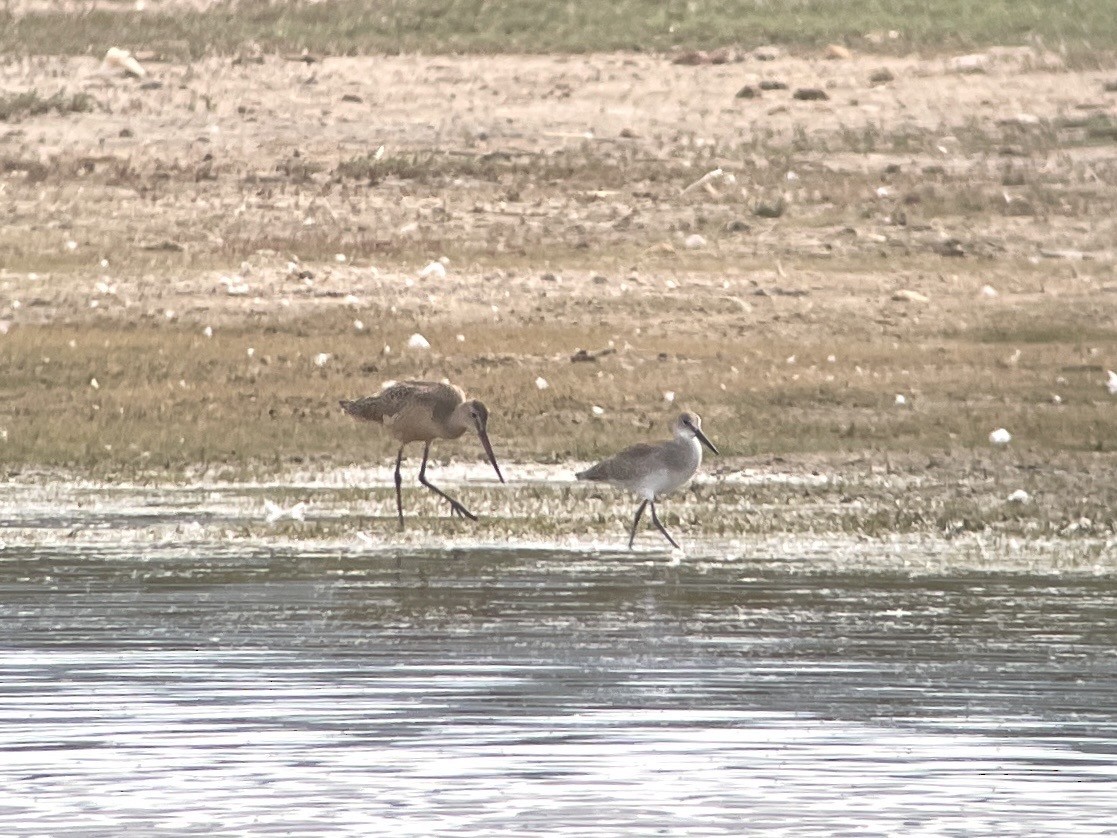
457, 509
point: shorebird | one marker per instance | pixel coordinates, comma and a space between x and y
423, 411
652, 471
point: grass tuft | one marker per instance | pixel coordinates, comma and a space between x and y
347, 27
17, 106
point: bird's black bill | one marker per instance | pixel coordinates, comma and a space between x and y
489, 450
705, 441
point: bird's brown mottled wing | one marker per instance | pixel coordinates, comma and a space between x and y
437, 398
368, 409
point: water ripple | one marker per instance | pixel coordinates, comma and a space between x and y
232, 690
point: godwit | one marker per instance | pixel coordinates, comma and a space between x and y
423, 411
652, 471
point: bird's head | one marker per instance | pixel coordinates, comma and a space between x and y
478, 414
690, 425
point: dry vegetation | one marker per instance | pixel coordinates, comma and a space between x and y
199, 263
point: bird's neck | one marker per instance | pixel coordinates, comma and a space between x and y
692, 444
457, 425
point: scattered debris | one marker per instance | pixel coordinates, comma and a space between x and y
1111, 382
988, 292
417, 341
901, 400
694, 241
436, 269
969, 64
165, 245
1019, 496
1000, 437
306, 57
322, 358
583, 356
250, 53
906, 295
669, 396
949, 247
1020, 120
541, 383
274, 512
691, 58
708, 181
1071, 255
597, 410
697, 57
768, 52
235, 286
123, 61
770, 208
879, 37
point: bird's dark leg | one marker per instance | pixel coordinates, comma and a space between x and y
399, 482
635, 521
667, 535
455, 507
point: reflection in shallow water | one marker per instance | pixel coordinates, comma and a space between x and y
203, 690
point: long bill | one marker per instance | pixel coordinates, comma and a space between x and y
489, 450
705, 440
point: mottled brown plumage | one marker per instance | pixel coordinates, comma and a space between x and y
423, 411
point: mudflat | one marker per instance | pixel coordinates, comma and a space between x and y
835, 258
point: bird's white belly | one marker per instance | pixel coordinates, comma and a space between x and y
664, 480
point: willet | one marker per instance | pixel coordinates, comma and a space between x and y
423, 411
652, 471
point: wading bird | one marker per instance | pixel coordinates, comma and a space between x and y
652, 471
423, 411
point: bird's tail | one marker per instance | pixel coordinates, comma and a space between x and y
368, 408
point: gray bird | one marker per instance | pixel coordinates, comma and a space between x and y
652, 471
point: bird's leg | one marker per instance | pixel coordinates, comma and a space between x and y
635, 521
399, 482
667, 535
455, 507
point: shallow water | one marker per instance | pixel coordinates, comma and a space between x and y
213, 689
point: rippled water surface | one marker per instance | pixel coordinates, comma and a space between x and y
205, 689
